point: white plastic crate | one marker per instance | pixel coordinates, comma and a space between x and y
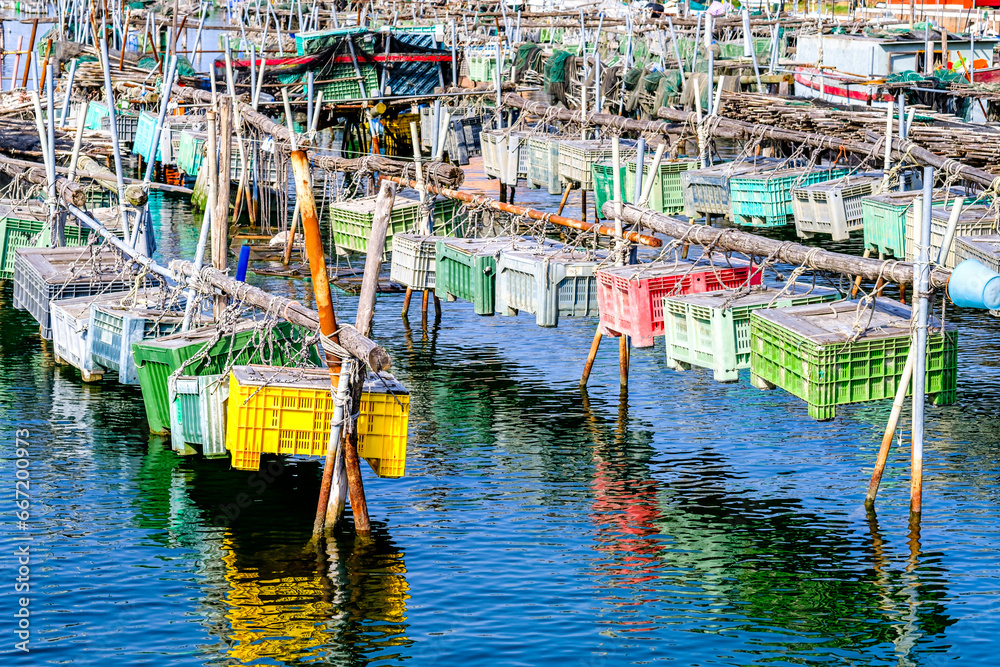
498, 158
543, 164
984, 249
548, 283
576, 158
70, 330
974, 221
832, 207
413, 260
198, 408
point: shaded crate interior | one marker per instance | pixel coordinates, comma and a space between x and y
815, 352
712, 330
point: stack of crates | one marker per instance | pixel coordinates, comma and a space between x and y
765, 199
352, 221
413, 260
157, 359
706, 191
198, 407
126, 124
813, 352
25, 227
281, 411
543, 164
42, 275
95, 112
603, 176
631, 297
170, 136
466, 268
975, 220
577, 158
71, 333
114, 327
712, 330
549, 283
984, 249
832, 207
667, 195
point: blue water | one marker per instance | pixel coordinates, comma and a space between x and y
688, 521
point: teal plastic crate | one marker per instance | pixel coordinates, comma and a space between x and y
352, 220
808, 351
190, 152
712, 330
602, 174
310, 42
115, 327
765, 200
145, 130
667, 195
95, 112
198, 407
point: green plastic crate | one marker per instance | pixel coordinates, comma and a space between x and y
21, 229
603, 174
667, 195
806, 350
157, 359
712, 330
95, 112
765, 200
352, 220
466, 268
343, 82
190, 152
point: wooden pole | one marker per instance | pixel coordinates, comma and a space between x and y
406, 301
591, 356
31, 48
890, 429
220, 221
565, 196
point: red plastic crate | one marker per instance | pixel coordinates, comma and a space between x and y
631, 297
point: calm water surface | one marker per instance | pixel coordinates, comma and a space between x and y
687, 522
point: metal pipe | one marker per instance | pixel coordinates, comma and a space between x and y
921, 268
648, 185
640, 176
168, 82
77, 142
949, 234
115, 147
69, 89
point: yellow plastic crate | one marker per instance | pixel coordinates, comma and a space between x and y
277, 410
